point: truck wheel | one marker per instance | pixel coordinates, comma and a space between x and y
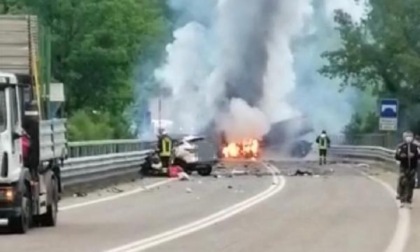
49, 219
205, 171
21, 224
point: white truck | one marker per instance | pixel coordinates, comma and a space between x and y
30, 181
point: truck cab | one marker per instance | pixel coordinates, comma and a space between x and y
29, 184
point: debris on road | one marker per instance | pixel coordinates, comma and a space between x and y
302, 173
188, 190
115, 190
217, 176
362, 165
238, 172
80, 194
230, 187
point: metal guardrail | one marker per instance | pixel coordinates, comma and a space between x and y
94, 168
105, 147
364, 152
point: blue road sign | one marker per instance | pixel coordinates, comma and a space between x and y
389, 108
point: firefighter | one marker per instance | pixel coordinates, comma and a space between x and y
323, 142
165, 145
407, 154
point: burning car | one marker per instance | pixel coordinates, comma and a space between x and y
246, 148
286, 133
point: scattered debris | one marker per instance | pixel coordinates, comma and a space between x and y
115, 190
302, 173
230, 187
188, 190
200, 182
238, 172
362, 165
217, 176
80, 194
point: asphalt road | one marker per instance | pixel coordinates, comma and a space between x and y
342, 210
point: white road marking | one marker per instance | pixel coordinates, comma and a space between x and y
143, 244
402, 231
114, 197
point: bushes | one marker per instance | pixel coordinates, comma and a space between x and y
87, 125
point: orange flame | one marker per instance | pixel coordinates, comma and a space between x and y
244, 148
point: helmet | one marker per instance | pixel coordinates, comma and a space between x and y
324, 132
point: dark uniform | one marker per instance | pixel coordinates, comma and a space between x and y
323, 142
165, 150
407, 154
417, 142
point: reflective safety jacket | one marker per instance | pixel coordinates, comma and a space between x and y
165, 146
323, 142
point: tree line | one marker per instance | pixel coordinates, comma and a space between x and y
380, 55
96, 45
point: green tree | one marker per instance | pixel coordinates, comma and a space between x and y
84, 125
96, 45
380, 54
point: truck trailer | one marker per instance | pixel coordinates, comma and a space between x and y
33, 144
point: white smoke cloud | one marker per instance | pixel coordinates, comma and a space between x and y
246, 65
242, 121
280, 77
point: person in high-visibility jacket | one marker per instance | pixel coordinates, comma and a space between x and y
165, 145
323, 142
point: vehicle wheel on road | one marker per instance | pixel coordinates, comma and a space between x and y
188, 170
21, 224
49, 219
205, 171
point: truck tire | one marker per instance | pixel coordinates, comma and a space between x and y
21, 224
205, 171
49, 219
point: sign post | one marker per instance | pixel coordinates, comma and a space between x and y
388, 120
